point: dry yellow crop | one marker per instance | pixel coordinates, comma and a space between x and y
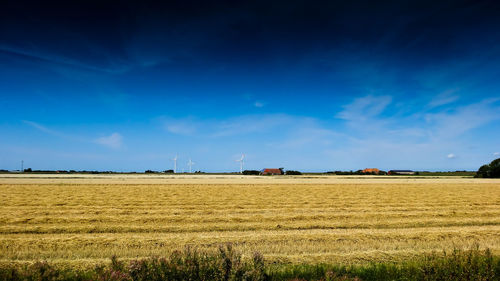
350, 222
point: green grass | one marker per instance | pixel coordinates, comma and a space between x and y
226, 264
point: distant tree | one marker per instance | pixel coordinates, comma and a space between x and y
168, 171
250, 172
341, 173
489, 171
28, 170
292, 172
483, 172
495, 168
150, 172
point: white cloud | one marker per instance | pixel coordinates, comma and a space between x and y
382, 139
364, 108
312, 134
364, 116
448, 124
51, 60
186, 127
379, 132
115, 140
258, 104
42, 128
443, 98
250, 124
496, 153
240, 125
55, 133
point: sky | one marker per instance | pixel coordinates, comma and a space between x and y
304, 85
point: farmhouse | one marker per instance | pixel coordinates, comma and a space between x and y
401, 172
271, 171
371, 171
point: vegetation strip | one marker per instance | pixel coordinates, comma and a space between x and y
227, 264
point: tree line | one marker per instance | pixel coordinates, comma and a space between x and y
491, 170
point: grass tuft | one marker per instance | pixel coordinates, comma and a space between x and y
228, 265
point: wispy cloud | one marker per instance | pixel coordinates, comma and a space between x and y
445, 97
115, 140
364, 108
372, 123
41, 128
52, 132
240, 125
365, 115
368, 131
280, 131
118, 66
258, 104
378, 134
184, 126
249, 124
313, 135
252, 100
449, 124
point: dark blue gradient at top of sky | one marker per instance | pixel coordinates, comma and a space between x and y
303, 43
91, 68
116, 36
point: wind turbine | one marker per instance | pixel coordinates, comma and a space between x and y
241, 163
175, 163
190, 164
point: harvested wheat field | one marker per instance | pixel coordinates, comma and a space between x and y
331, 219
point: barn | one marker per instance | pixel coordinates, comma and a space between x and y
271, 171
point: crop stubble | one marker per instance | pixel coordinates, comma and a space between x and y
348, 222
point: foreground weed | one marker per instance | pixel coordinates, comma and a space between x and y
228, 265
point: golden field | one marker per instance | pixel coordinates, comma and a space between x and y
87, 219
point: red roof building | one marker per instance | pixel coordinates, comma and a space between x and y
269, 171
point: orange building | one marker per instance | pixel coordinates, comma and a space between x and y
371, 170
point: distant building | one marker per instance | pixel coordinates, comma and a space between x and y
371, 171
401, 172
271, 171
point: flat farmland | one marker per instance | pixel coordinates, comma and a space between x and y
86, 220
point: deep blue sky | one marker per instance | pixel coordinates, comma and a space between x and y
306, 85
